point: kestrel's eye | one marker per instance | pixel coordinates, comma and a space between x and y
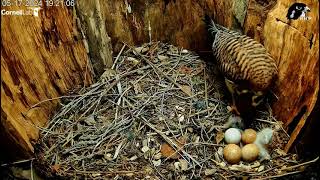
298, 7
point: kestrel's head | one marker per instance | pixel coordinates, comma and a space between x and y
257, 98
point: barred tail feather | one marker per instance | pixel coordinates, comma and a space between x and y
211, 26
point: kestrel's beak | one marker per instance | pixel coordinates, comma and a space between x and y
244, 91
256, 98
307, 8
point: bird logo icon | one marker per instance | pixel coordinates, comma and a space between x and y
36, 11
298, 11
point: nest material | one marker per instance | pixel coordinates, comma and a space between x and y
156, 99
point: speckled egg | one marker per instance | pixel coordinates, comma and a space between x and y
248, 136
250, 152
232, 153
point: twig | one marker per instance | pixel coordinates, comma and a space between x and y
31, 169
299, 165
118, 150
277, 176
17, 162
117, 58
266, 121
204, 111
203, 143
103, 173
205, 88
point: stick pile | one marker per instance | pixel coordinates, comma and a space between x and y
157, 113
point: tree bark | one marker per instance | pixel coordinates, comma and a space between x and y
41, 58
99, 43
295, 46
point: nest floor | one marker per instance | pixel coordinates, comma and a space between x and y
159, 113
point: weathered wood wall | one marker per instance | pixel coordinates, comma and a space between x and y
294, 44
41, 58
92, 23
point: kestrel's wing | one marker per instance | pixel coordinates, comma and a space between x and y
242, 58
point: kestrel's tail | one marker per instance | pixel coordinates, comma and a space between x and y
211, 26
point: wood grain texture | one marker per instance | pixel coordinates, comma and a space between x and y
175, 21
99, 43
295, 46
41, 58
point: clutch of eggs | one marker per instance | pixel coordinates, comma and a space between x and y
233, 153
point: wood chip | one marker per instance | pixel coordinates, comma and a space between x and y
186, 89
183, 164
133, 158
261, 168
209, 172
168, 152
219, 136
145, 149
162, 58
156, 162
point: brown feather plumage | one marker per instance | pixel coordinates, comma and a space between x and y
241, 58
243, 61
